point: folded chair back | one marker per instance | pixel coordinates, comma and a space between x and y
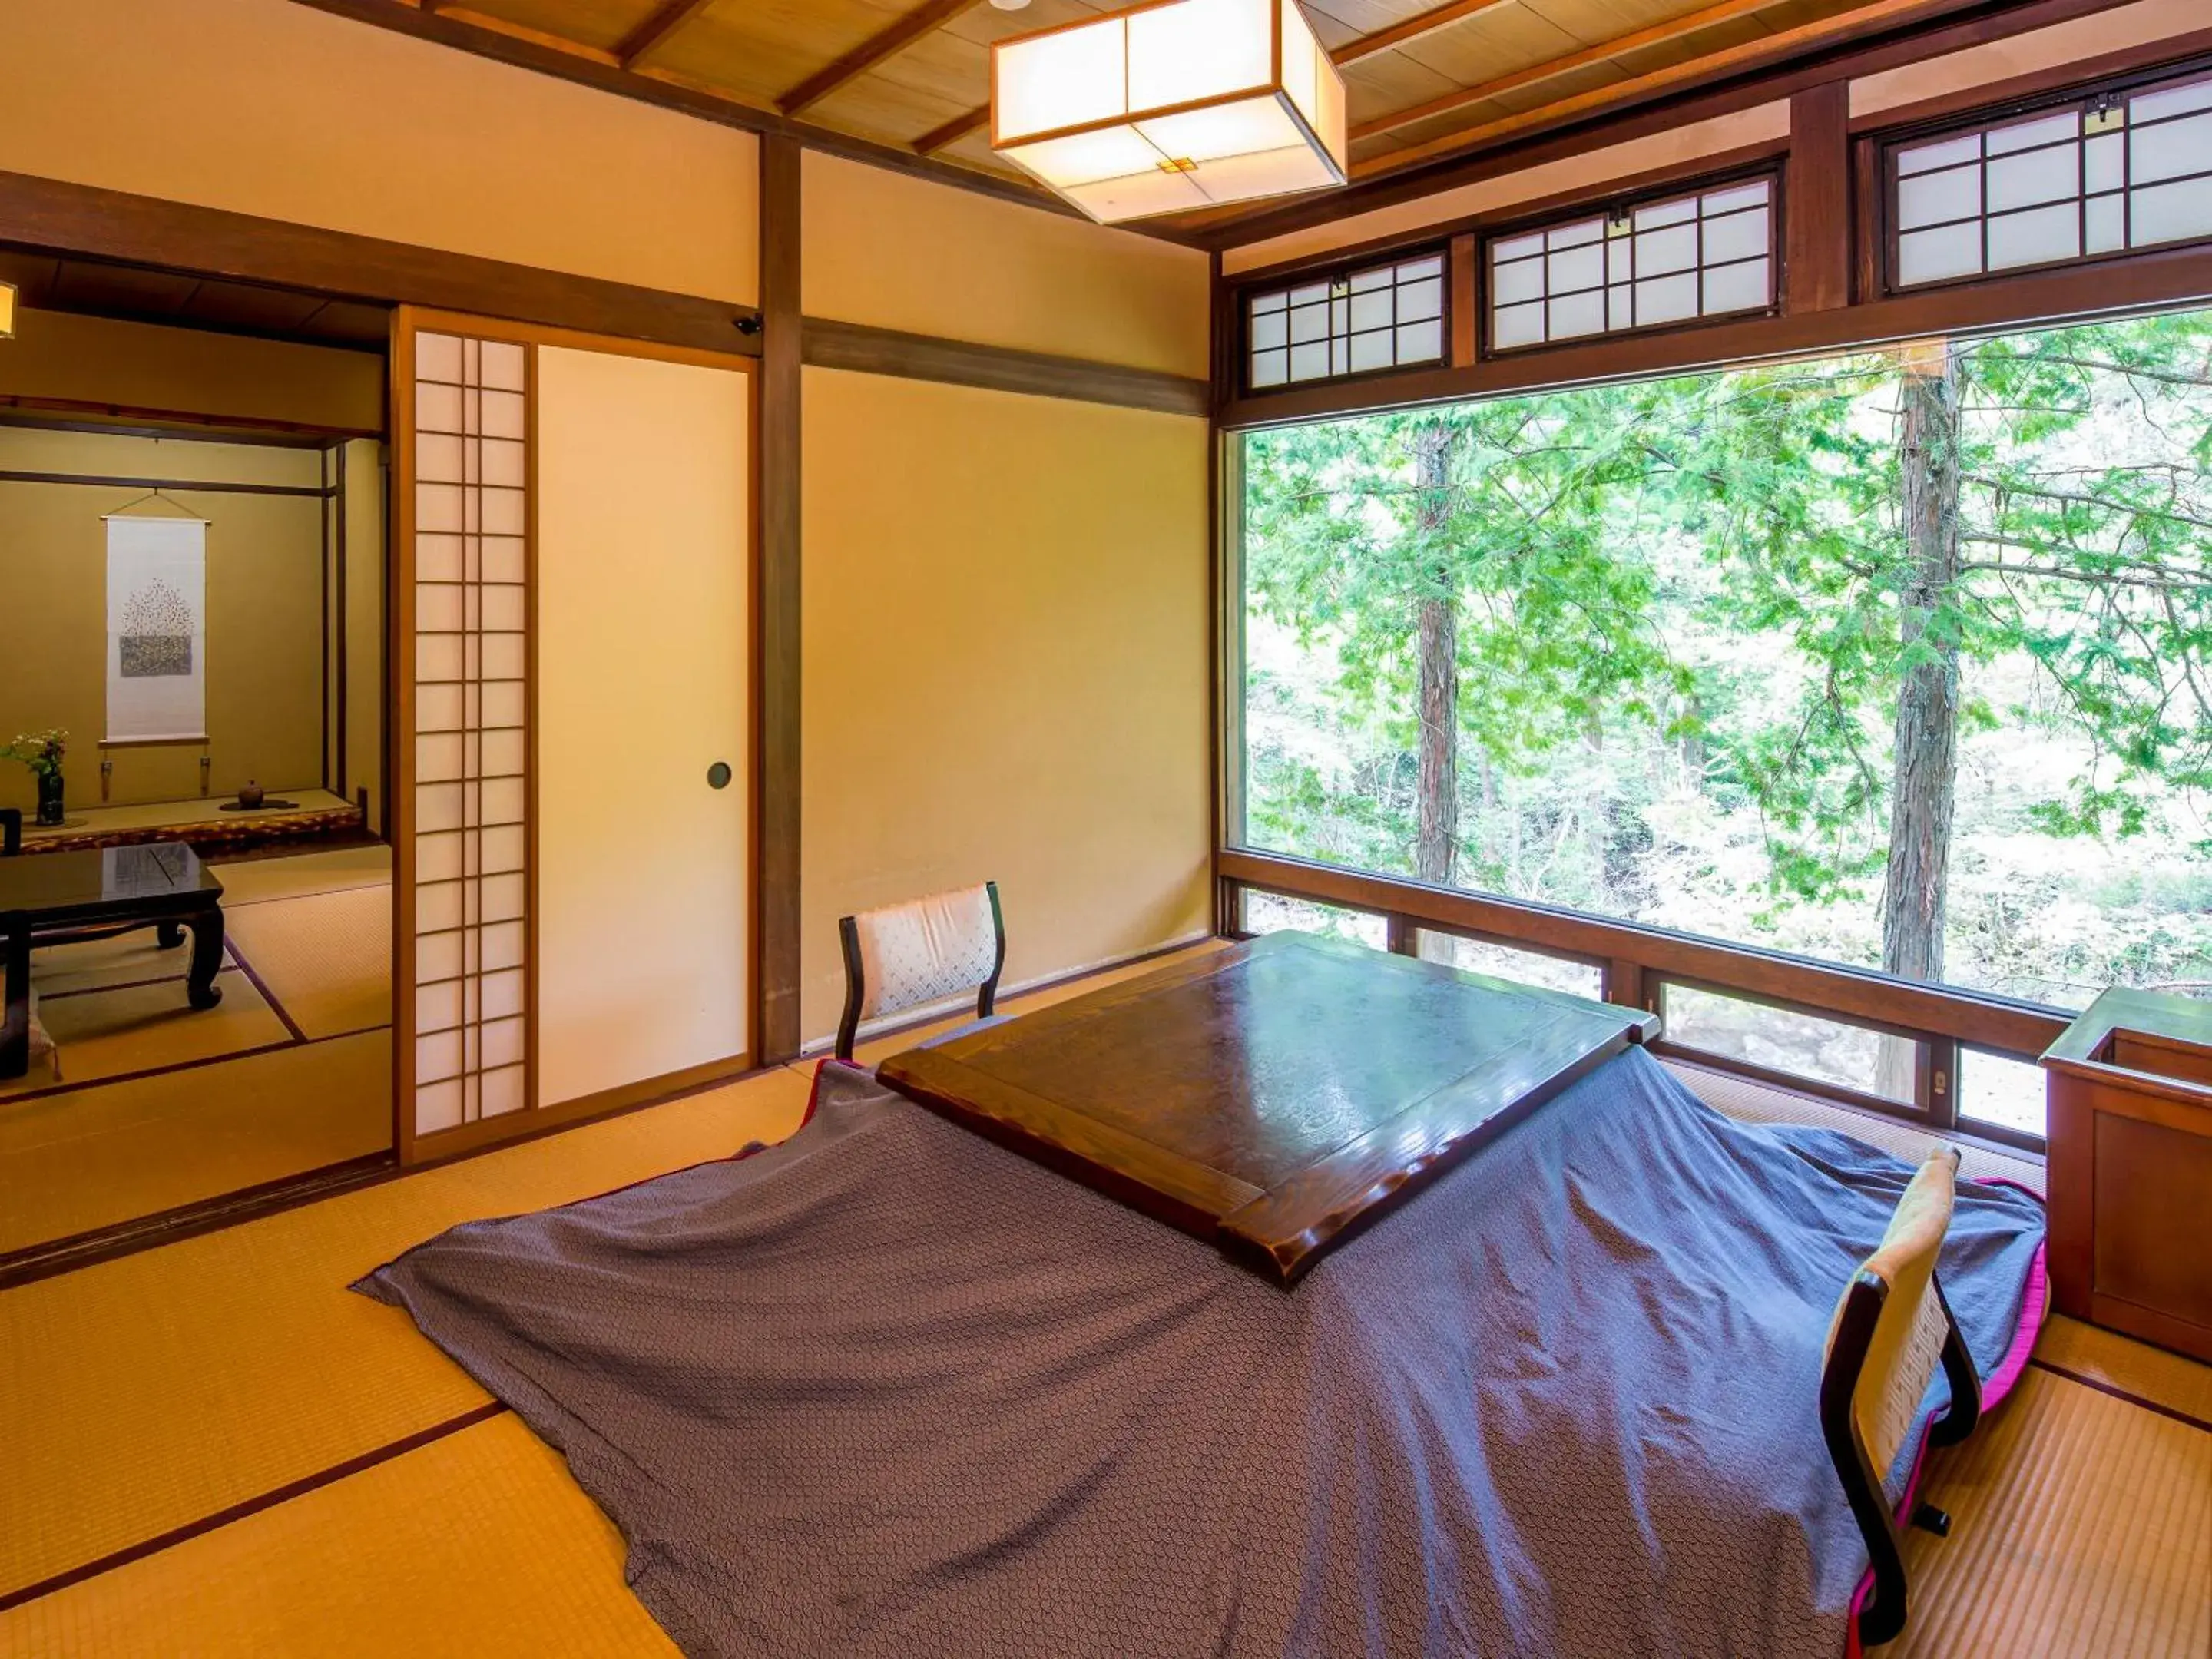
1892, 1329
925, 951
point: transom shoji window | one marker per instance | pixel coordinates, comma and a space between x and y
1385, 316
1709, 254
470, 882
2109, 171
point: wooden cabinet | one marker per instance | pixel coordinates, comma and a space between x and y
2130, 1168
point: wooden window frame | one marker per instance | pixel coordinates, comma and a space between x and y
1926, 1107
2125, 282
1610, 207
1638, 961
1886, 143
1343, 271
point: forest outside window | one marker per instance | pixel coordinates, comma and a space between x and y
2105, 173
1647, 265
1896, 659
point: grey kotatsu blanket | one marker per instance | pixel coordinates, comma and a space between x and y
888, 1390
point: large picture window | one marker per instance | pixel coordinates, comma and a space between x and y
1896, 659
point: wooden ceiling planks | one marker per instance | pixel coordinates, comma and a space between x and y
655, 28
887, 42
1426, 79
1417, 26
1581, 53
597, 26
960, 126
1848, 23
759, 50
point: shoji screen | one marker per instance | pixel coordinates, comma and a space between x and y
465, 859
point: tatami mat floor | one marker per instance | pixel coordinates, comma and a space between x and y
152, 1105
299, 875
95, 1158
326, 957
152, 1404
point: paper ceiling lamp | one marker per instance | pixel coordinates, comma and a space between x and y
1166, 107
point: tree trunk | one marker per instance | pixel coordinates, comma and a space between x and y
1693, 742
1436, 849
1924, 783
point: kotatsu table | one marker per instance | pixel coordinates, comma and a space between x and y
47, 898
1277, 1096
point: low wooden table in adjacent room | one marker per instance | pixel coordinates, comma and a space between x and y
53, 897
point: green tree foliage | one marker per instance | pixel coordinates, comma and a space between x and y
1624, 561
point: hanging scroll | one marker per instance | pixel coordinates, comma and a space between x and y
156, 628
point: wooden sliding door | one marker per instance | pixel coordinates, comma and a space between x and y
571, 647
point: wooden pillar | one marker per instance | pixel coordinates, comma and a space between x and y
1625, 983
1464, 289
1816, 200
775, 702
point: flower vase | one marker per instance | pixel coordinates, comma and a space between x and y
51, 810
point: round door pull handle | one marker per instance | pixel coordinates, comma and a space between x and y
718, 776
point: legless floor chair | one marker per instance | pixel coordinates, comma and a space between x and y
1891, 1330
908, 956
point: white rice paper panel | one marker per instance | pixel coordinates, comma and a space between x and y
472, 708
1706, 254
2057, 188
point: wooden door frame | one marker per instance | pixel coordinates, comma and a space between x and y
399, 810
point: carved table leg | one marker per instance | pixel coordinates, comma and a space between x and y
15, 1025
200, 989
169, 934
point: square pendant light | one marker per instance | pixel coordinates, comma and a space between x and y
1177, 105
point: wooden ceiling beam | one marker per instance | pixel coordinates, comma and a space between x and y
1412, 28
665, 20
1750, 54
1552, 68
953, 131
925, 19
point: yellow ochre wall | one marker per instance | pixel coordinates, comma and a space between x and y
1005, 596
883, 248
263, 614
362, 707
266, 107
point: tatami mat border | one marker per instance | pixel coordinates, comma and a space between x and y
239, 1511
2119, 1393
269, 996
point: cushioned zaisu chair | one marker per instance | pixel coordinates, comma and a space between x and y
1891, 1330
906, 956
